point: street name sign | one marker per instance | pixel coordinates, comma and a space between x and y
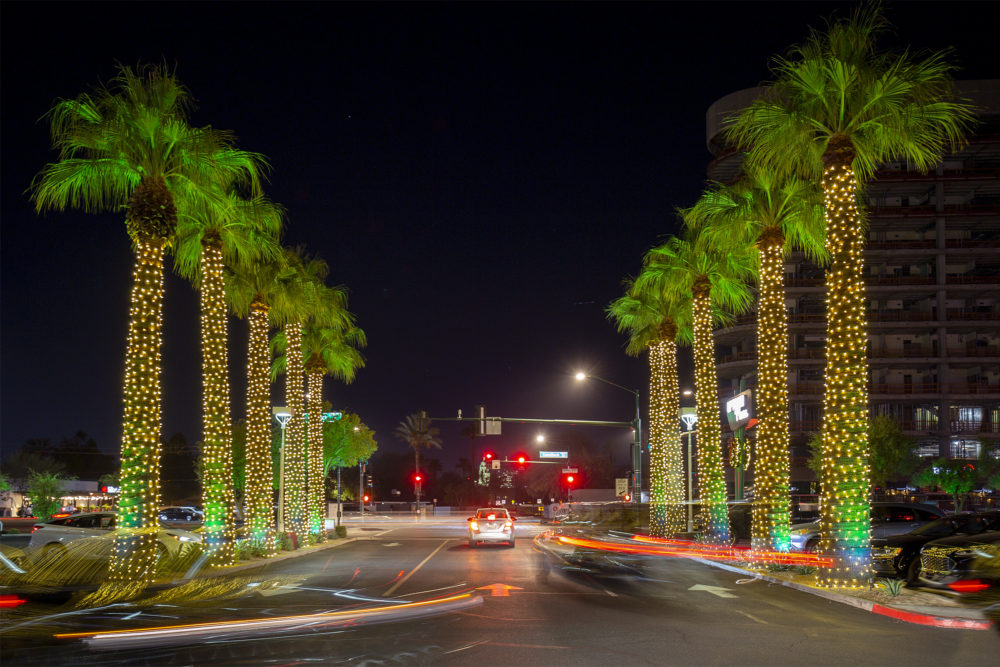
553, 455
570, 470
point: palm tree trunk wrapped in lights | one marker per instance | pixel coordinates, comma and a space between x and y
134, 548
216, 458
666, 469
711, 473
259, 484
296, 500
315, 470
845, 523
770, 529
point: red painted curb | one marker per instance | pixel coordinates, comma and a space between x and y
936, 621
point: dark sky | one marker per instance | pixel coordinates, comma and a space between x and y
481, 176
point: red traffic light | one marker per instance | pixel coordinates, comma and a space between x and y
488, 456
570, 479
367, 498
418, 477
627, 497
520, 459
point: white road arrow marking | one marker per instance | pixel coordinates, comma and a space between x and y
714, 590
390, 544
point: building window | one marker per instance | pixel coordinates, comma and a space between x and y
966, 418
962, 448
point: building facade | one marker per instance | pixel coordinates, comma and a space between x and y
933, 285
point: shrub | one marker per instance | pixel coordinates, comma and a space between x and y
891, 586
341, 531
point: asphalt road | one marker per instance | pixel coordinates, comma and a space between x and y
523, 611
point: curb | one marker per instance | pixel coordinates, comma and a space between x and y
957, 622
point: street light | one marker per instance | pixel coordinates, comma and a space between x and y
637, 434
690, 418
282, 415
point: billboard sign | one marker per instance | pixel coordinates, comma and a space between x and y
740, 409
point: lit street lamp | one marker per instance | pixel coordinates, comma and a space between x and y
637, 435
282, 415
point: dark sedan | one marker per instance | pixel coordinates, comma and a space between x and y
899, 555
946, 561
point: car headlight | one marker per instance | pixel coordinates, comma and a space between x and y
886, 552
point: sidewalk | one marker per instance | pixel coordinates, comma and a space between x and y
911, 605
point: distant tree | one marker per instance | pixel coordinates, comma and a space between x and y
891, 455
417, 432
346, 442
177, 465
954, 477
81, 456
45, 490
19, 466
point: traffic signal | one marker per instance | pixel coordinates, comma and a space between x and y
488, 456
627, 497
569, 479
367, 498
521, 460
418, 478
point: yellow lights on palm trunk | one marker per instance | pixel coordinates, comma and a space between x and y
770, 532
711, 475
134, 550
259, 477
666, 472
295, 452
314, 459
216, 453
844, 514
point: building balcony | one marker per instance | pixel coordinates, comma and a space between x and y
965, 174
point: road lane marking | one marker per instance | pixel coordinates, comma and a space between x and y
714, 590
528, 645
413, 571
752, 617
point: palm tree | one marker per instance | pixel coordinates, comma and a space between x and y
330, 347
775, 215
712, 276
251, 290
650, 318
215, 232
298, 303
838, 109
417, 432
129, 146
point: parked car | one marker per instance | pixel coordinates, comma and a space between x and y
887, 518
491, 524
899, 555
180, 515
952, 559
90, 535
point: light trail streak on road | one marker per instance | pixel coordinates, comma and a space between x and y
650, 546
176, 634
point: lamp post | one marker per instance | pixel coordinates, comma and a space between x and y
690, 418
282, 415
637, 435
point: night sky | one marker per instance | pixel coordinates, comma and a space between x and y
481, 177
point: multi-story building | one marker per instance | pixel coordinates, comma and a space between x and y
933, 284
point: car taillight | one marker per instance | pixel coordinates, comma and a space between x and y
34, 528
508, 524
968, 586
474, 525
11, 601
